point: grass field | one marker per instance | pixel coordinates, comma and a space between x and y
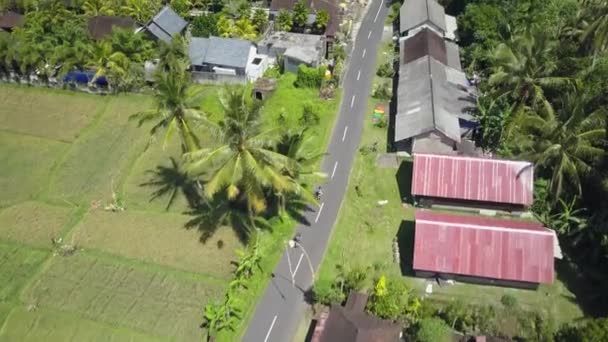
35, 223
137, 275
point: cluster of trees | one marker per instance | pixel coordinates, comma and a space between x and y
544, 74
297, 20
54, 41
234, 19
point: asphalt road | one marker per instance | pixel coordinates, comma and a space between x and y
283, 304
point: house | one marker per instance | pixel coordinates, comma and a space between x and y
295, 49
101, 26
226, 56
433, 102
484, 250
351, 323
415, 15
331, 6
9, 20
165, 25
472, 182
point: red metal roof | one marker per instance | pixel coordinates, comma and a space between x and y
483, 247
474, 179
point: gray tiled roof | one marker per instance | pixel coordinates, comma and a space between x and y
227, 52
429, 98
417, 12
166, 24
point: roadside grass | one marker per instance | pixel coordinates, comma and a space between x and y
52, 325
35, 223
157, 238
150, 298
17, 263
98, 161
48, 113
26, 162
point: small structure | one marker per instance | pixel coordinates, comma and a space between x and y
165, 25
226, 56
415, 15
467, 181
351, 323
102, 26
295, 48
484, 250
264, 87
9, 20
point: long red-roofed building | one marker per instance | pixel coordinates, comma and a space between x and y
511, 251
475, 180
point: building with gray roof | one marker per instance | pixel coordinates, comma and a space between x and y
417, 14
433, 102
227, 56
295, 48
166, 24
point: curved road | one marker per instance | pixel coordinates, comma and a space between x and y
278, 313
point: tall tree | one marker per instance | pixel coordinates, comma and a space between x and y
523, 69
594, 18
566, 143
244, 164
140, 10
177, 108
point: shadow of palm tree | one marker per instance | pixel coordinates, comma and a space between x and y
296, 207
170, 181
221, 212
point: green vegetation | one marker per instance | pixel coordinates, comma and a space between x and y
433, 330
17, 264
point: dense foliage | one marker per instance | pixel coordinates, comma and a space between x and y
542, 66
433, 330
310, 77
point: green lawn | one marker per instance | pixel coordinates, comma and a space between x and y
137, 275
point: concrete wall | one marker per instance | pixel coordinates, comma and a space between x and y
478, 280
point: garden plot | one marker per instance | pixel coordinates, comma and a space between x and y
100, 160
120, 293
57, 115
17, 263
157, 238
26, 163
34, 223
50, 325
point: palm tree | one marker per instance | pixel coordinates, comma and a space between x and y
140, 10
244, 165
97, 7
174, 54
567, 143
177, 108
523, 68
104, 59
594, 22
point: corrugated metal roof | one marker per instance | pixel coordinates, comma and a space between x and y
197, 50
473, 179
166, 24
428, 101
414, 13
483, 247
426, 42
228, 52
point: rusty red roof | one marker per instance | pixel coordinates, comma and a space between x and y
483, 247
473, 179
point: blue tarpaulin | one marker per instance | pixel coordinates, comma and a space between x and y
85, 77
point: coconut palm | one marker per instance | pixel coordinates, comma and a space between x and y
594, 22
566, 143
244, 165
174, 54
177, 108
140, 10
523, 68
105, 59
97, 7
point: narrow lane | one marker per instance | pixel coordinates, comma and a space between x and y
283, 303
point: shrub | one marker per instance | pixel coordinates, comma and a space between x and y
433, 330
383, 91
274, 72
310, 116
326, 292
393, 299
508, 301
205, 25
593, 330
310, 77
385, 70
